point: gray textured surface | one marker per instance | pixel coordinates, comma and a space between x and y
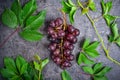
16, 45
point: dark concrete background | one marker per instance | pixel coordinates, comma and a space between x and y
16, 45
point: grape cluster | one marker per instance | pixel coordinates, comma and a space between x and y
62, 39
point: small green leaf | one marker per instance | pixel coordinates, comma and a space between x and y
83, 58
66, 8
118, 41
103, 71
109, 19
27, 76
103, 6
37, 57
20, 61
108, 6
100, 78
114, 29
72, 13
15, 77
92, 46
34, 22
16, 8
9, 18
41, 77
7, 73
31, 35
111, 38
85, 10
28, 9
66, 76
92, 53
87, 69
86, 43
10, 64
92, 5
97, 67
24, 68
71, 3
79, 61
44, 63
37, 66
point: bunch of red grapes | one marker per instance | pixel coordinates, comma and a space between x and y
62, 39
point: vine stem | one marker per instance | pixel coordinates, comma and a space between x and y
7, 38
64, 28
100, 38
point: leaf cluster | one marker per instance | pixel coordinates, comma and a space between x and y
20, 69
23, 16
70, 8
88, 51
106, 7
111, 22
89, 6
98, 71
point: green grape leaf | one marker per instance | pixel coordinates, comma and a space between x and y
28, 9
87, 69
37, 57
86, 43
34, 22
100, 78
31, 35
92, 53
24, 68
111, 38
66, 7
103, 6
79, 61
41, 77
109, 19
16, 8
9, 18
66, 75
16, 77
103, 71
20, 62
84, 11
7, 73
118, 41
97, 67
72, 13
44, 63
92, 5
10, 64
114, 30
71, 3
92, 46
84, 59
37, 66
106, 6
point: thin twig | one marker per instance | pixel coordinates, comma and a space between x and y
97, 18
7, 38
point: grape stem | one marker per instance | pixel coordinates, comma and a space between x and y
100, 38
9, 36
64, 27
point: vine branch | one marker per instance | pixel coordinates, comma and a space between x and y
100, 38
9, 36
